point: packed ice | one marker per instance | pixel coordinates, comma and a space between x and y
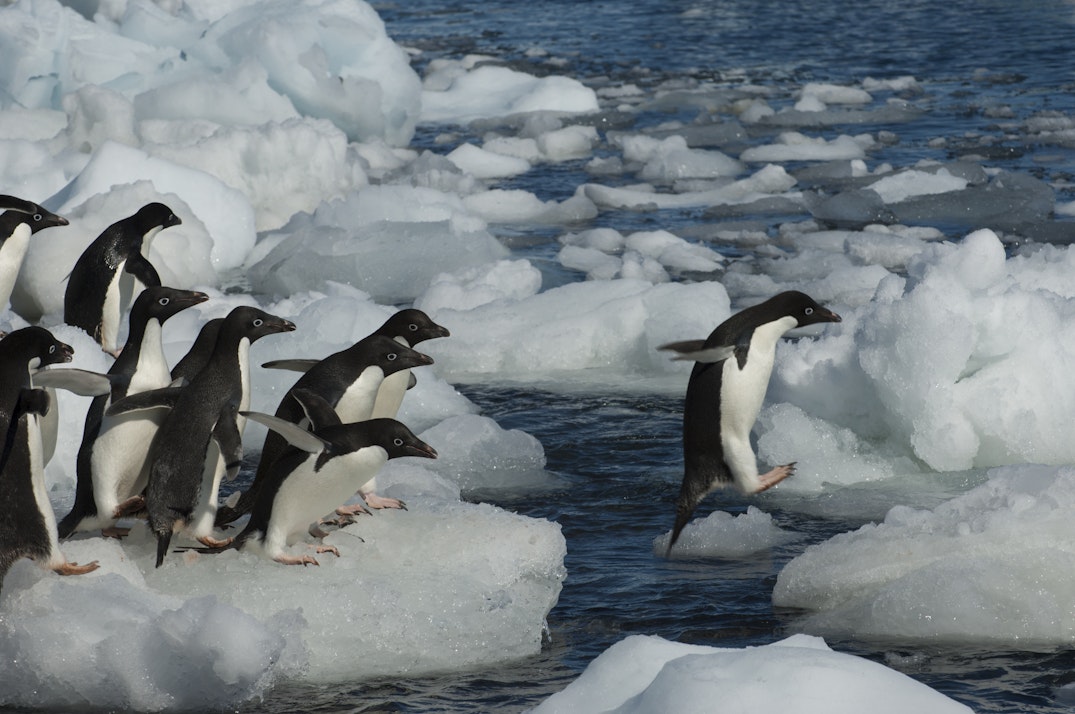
279, 132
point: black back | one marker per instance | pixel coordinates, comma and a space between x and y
198, 354
413, 326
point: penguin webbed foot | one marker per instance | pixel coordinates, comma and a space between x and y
69, 568
132, 506
117, 532
775, 476
328, 549
349, 511
211, 542
302, 560
374, 501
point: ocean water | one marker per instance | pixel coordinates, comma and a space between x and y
987, 66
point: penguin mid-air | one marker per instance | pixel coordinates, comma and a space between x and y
199, 426
27, 521
725, 394
325, 465
111, 465
20, 220
349, 381
102, 283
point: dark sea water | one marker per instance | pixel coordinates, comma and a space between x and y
985, 67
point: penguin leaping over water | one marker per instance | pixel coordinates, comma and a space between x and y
725, 394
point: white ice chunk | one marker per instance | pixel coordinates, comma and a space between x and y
722, 535
907, 184
793, 146
485, 164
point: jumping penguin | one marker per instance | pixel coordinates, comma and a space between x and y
201, 422
112, 466
103, 282
725, 394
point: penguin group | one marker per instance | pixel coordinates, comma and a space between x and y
157, 442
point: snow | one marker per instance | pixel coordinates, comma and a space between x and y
799, 674
279, 132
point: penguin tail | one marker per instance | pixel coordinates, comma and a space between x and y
163, 541
691, 492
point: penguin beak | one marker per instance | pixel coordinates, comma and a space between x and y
830, 316
439, 331
284, 326
422, 450
67, 352
192, 298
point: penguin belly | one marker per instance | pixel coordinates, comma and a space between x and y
41, 497
742, 392
120, 460
356, 403
306, 495
12, 252
390, 395
112, 308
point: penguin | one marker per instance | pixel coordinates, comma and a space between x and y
201, 420
348, 380
20, 220
198, 355
103, 282
325, 465
111, 465
27, 521
724, 396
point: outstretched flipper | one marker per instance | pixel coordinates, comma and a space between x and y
696, 351
293, 433
293, 365
78, 381
164, 398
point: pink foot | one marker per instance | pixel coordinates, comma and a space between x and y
775, 476
374, 501
302, 560
214, 543
69, 568
354, 509
328, 549
115, 532
132, 505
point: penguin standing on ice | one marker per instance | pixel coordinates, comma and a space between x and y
326, 464
27, 521
200, 426
725, 394
111, 466
349, 381
20, 220
102, 283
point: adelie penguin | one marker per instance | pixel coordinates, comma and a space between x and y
349, 381
725, 394
20, 220
27, 521
199, 428
102, 284
325, 464
111, 466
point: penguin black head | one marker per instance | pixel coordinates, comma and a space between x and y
411, 325
801, 306
253, 323
398, 440
162, 302
155, 214
392, 356
35, 346
37, 218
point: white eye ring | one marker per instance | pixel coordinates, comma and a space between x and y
397, 441
52, 349
38, 216
164, 301
809, 311
391, 356
412, 327
258, 322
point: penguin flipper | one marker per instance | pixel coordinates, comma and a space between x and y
295, 365
164, 398
317, 409
140, 267
79, 381
696, 351
293, 433
227, 436
412, 382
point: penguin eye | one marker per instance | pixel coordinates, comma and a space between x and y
258, 322
37, 216
164, 301
52, 349
809, 311
391, 357
412, 327
397, 441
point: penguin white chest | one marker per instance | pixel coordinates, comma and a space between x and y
12, 252
742, 390
357, 401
